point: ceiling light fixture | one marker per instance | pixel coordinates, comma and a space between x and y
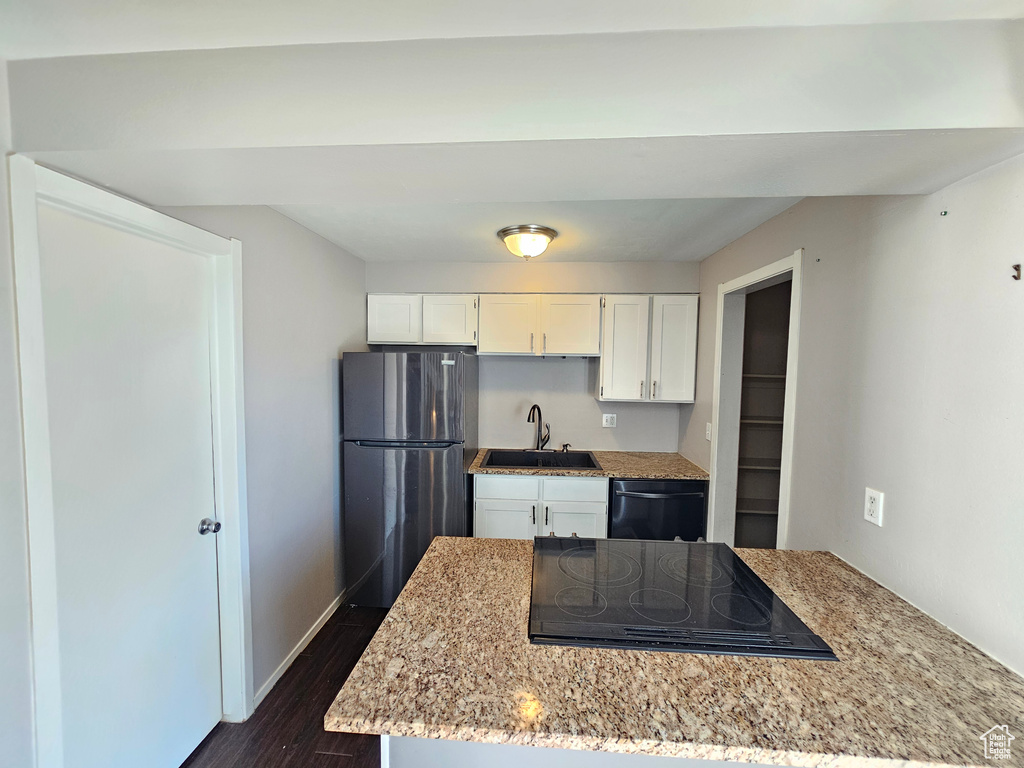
527, 240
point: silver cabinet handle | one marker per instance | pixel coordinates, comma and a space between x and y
206, 525
545, 342
641, 390
531, 342
534, 514
654, 390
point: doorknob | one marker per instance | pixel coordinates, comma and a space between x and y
206, 525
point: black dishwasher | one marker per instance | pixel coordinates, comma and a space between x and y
658, 509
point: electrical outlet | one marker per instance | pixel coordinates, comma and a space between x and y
707, 431
608, 420
873, 506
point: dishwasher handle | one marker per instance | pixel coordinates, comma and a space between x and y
642, 495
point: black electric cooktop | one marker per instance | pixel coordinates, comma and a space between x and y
660, 596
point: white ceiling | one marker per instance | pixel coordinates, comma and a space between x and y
47, 28
663, 199
601, 230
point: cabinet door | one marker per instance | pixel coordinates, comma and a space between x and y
508, 324
674, 348
588, 520
624, 358
505, 519
449, 319
393, 318
570, 325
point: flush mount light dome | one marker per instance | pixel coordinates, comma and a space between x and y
527, 240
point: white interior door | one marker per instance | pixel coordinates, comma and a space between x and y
127, 325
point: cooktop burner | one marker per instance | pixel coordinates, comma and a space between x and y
661, 596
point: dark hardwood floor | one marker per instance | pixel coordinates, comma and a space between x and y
288, 727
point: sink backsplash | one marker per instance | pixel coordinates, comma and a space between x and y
564, 389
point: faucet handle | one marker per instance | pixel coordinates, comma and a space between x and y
566, 447
547, 435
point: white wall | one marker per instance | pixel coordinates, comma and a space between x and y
516, 276
302, 304
564, 388
15, 686
910, 381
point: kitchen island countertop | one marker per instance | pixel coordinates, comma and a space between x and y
452, 661
640, 465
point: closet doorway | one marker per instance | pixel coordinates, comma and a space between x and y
753, 408
762, 407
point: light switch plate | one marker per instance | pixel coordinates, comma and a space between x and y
707, 431
608, 420
873, 506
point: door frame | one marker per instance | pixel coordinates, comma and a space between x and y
725, 406
32, 185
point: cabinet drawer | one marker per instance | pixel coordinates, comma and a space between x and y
576, 489
507, 487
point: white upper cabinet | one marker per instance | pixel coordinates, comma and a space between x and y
570, 325
624, 360
449, 319
410, 318
656, 367
394, 318
674, 349
509, 324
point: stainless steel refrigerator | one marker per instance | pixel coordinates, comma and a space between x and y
409, 434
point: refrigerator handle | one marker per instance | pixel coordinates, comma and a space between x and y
406, 445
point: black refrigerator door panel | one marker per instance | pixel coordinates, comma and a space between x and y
658, 509
362, 395
404, 396
397, 499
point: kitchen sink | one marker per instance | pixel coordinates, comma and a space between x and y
527, 459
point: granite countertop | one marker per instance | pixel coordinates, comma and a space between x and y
452, 661
644, 465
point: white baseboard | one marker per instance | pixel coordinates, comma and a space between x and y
299, 648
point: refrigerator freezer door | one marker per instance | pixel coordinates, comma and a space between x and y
404, 396
397, 499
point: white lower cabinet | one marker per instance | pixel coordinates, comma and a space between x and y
586, 519
511, 507
505, 519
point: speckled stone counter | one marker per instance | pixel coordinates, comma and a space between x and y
452, 661
645, 465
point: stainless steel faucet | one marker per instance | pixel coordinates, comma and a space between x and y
543, 430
